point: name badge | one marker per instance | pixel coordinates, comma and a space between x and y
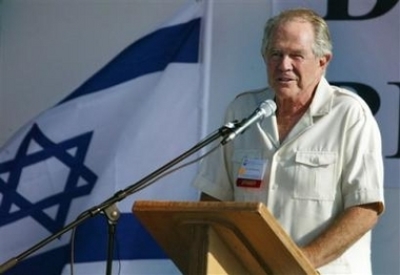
251, 173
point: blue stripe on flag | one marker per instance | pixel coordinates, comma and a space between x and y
48, 263
133, 242
152, 53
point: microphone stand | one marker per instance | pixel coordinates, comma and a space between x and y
112, 213
109, 208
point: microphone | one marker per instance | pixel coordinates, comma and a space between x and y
265, 109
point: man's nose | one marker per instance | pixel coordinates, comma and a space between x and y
285, 63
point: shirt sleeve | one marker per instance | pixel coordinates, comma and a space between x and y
212, 178
363, 168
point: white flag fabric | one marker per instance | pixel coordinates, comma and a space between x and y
137, 113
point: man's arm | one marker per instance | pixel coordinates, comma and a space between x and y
344, 232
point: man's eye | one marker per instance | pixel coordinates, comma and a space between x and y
275, 54
297, 56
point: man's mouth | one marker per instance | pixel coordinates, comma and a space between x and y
285, 79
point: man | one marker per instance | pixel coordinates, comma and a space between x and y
316, 163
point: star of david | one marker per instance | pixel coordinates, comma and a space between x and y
73, 188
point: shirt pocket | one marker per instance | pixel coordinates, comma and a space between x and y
316, 173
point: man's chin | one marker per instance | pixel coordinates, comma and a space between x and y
284, 89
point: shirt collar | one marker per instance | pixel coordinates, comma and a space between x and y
323, 99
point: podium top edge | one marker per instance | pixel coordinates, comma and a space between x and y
150, 205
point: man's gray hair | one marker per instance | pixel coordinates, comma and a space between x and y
322, 44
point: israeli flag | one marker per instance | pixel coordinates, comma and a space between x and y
137, 113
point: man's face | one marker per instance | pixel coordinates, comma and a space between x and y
293, 69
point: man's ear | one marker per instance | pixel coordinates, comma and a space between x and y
324, 61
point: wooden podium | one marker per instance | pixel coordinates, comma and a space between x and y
222, 238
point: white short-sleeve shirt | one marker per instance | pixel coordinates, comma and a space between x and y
330, 160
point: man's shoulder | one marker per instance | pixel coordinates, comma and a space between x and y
246, 102
255, 93
350, 98
252, 98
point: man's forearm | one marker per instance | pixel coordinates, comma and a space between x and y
344, 232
